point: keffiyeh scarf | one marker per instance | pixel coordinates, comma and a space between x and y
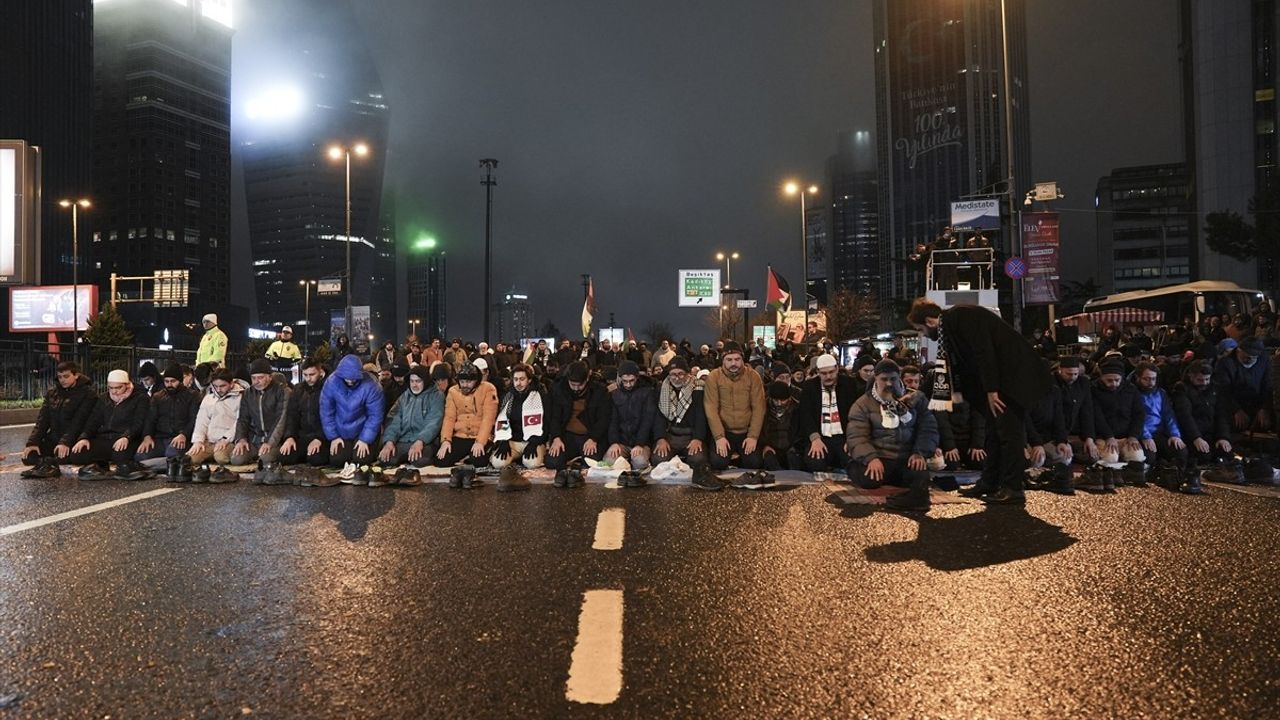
674, 402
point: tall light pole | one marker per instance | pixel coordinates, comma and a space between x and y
1015, 214
306, 339
75, 206
793, 188
413, 327
726, 257
489, 165
336, 152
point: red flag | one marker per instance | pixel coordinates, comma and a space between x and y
779, 294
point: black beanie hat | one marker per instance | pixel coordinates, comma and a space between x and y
260, 367
677, 363
863, 360
419, 371
779, 390
731, 347
577, 372
1111, 367
173, 371
627, 367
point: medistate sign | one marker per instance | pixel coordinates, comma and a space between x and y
968, 215
699, 288
1040, 250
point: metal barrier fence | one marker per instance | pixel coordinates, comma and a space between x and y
27, 366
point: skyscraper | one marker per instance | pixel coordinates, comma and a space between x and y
426, 278
514, 317
46, 99
940, 119
1230, 63
1144, 221
315, 93
855, 230
162, 154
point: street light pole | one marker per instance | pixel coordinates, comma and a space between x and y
306, 338
795, 189
75, 206
489, 165
1015, 213
336, 152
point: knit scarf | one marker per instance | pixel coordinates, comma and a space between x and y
674, 402
530, 416
892, 411
942, 397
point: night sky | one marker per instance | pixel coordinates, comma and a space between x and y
638, 138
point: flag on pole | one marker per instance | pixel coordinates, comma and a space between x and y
588, 308
779, 294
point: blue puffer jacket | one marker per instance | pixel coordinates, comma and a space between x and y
416, 417
351, 411
1159, 418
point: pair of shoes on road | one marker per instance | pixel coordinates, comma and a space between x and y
378, 477
348, 471
95, 471
568, 479
407, 476
512, 480
178, 469
463, 477
223, 475
271, 473
704, 479
201, 474
1190, 484
632, 479
131, 470
754, 480
46, 469
363, 475
1005, 496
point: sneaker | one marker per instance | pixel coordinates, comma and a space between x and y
765, 479
95, 471
632, 479
378, 478
512, 480
704, 479
317, 477
173, 467
408, 476
1109, 478
348, 471
133, 471
260, 474
277, 476
44, 470
749, 480
909, 501
185, 472
223, 475
298, 475
359, 476
201, 474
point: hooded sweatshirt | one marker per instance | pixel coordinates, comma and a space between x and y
355, 411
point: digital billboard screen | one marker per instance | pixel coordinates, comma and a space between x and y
49, 308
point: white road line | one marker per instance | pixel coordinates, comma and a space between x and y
610, 527
14, 427
595, 674
84, 511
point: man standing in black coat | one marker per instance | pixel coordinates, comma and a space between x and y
1000, 374
824, 408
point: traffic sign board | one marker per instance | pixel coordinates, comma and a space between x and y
747, 304
1015, 268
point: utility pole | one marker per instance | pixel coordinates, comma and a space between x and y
489, 165
1015, 213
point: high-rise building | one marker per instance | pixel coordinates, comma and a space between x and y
940, 120
46, 99
1144, 219
316, 95
1230, 63
426, 279
514, 317
855, 231
162, 156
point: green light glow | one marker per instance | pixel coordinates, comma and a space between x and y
425, 242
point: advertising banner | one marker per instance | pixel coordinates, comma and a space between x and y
968, 215
19, 214
791, 326
1040, 244
50, 308
616, 336
699, 288
768, 332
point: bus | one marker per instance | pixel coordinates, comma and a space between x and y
1197, 300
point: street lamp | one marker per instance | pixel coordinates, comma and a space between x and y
413, 327
306, 339
489, 165
75, 206
728, 282
794, 188
337, 152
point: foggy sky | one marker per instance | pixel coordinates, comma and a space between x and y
637, 138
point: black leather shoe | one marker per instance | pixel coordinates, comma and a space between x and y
909, 501
1004, 496
45, 470
201, 474
704, 479
976, 491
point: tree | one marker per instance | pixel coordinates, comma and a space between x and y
108, 329
256, 348
724, 322
851, 315
322, 354
656, 332
1230, 234
549, 330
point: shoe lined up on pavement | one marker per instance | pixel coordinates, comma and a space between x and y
377, 477
46, 469
632, 479
95, 471
407, 476
705, 479
223, 475
911, 500
463, 477
754, 480
512, 480
132, 471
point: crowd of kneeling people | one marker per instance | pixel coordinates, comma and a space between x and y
1121, 417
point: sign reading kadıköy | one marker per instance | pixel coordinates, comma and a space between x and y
969, 215
699, 288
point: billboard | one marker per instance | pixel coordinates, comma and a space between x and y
699, 288
19, 214
975, 215
51, 308
1040, 245
791, 326
768, 332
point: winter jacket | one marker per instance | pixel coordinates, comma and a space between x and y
1045, 423
213, 347
416, 418
262, 415
1201, 414
1242, 388
735, 405
961, 428
351, 412
111, 420
1117, 414
172, 413
64, 413
1158, 418
810, 413
302, 414
1077, 407
866, 437
634, 412
217, 417
470, 416
595, 414
781, 427
693, 425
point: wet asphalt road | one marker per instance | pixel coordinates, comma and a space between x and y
283, 602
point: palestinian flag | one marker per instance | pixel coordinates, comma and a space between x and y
588, 308
779, 295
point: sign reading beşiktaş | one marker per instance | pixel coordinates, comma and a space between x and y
699, 288
975, 215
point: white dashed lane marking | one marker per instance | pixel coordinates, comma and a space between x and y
32, 524
610, 527
595, 674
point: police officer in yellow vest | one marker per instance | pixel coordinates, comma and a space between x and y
213, 345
